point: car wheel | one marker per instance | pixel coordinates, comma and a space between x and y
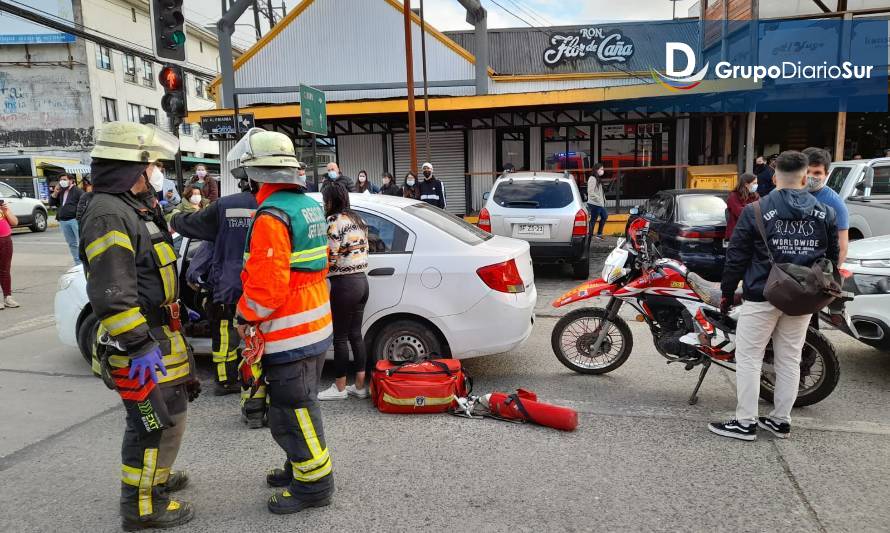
39, 224
581, 269
406, 340
86, 337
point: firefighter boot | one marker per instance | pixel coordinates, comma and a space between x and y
253, 412
177, 481
286, 503
175, 514
230, 384
280, 477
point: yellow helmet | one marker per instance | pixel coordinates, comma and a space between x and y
267, 157
129, 141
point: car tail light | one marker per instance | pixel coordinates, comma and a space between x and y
580, 227
484, 220
502, 277
690, 235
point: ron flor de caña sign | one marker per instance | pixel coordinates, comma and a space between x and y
607, 46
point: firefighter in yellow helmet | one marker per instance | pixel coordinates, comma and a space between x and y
130, 263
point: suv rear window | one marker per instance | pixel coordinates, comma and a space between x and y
701, 209
450, 224
533, 194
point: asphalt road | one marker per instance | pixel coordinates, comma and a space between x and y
641, 459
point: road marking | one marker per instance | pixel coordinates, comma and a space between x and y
28, 325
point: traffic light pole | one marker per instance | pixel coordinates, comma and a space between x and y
177, 160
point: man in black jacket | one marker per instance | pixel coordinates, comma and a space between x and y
432, 191
64, 198
799, 230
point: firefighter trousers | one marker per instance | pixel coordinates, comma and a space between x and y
146, 459
224, 341
295, 423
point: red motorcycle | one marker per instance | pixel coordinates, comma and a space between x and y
682, 311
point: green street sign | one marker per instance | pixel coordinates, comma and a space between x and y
313, 110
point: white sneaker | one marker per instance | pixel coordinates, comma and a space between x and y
361, 394
332, 393
10, 302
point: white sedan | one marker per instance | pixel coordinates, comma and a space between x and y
869, 261
438, 286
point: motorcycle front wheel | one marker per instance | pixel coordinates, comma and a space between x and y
819, 371
575, 334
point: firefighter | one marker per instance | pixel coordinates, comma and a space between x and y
430, 189
286, 301
224, 223
130, 265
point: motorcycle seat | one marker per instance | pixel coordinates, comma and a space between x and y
709, 291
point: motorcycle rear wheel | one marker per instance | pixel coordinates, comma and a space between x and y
573, 334
819, 368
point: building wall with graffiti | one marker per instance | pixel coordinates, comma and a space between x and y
45, 98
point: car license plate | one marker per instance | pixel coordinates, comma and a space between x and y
531, 229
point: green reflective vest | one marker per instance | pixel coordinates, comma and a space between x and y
308, 229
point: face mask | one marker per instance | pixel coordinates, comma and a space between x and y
332, 174
195, 199
427, 173
814, 184
600, 172
156, 179
752, 187
201, 173
363, 179
63, 184
410, 182
386, 181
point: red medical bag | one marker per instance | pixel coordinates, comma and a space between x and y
430, 386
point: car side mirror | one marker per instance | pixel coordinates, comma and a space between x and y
863, 188
486, 195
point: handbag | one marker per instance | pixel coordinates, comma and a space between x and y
798, 290
430, 386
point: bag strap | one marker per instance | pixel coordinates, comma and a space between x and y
758, 219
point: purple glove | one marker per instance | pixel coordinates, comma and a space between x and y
147, 362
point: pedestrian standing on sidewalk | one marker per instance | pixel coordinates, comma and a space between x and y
390, 188
64, 198
347, 262
7, 221
409, 190
800, 230
596, 200
431, 189
745, 192
365, 186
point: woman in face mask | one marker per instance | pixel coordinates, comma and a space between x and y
596, 200
203, 181
409, 190
192, 200
389, 186
365, 186
745, 192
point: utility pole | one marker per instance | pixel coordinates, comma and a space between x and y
256, 20
409, 67
426, 92
271, 13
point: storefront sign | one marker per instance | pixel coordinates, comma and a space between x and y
608, 46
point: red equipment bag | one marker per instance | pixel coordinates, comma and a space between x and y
524, 405
430, 386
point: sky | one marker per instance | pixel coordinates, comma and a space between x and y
449, 15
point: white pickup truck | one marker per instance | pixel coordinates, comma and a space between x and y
864, 184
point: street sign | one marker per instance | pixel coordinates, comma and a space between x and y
313, 110
222, 127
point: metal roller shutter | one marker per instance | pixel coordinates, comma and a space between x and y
361, 152
448, 159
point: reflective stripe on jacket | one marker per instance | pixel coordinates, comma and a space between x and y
284, 278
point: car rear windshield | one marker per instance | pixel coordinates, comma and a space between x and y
533, 194
701, 209
450, 224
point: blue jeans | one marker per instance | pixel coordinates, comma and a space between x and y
72, 237
597, 212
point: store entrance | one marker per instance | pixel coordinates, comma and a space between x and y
513, 148
636, 147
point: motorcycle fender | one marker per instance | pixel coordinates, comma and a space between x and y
588, 289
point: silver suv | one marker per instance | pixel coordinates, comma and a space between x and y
544, 209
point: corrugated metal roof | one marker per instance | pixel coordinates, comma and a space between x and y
521, 50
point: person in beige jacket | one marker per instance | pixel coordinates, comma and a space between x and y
596, 200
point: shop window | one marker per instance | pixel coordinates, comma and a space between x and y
130, 68
567, 148
148, 73
637, 146
109, 109
512, 148
103, 58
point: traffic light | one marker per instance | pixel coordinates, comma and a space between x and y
168, 29
173, 82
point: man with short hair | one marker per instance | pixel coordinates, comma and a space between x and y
819, 161
334, 176
799, 230
764, 175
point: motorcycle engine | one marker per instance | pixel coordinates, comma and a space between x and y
674, 322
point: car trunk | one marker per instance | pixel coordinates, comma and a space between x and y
503, 249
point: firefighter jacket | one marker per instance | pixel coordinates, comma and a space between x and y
225, 222
130, 265
284, 277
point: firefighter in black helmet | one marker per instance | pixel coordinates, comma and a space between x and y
130, 263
